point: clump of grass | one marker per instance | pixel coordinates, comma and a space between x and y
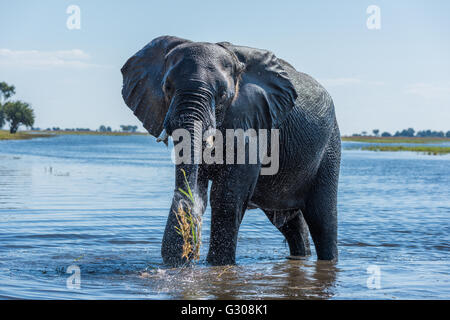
189, 225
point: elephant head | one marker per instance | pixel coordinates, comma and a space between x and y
174, 83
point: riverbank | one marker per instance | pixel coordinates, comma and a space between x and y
430, 150
24, 135
370, 139
386, 141
97, 133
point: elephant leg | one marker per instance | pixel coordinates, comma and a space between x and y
321, 210
230, 193
294, 228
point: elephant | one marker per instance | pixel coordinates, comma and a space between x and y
173, 83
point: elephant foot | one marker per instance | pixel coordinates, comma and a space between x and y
217, 260
175, 262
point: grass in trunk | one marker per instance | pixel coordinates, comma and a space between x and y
189, 225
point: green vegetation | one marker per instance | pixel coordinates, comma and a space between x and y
6, 135
6, 91
103, 128
18, 113
386, 140
405, 136
431, 150
408, 133
22, 135
189, 226
396, 139
15, 112
128, 128
100, 133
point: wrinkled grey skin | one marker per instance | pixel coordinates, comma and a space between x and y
172, 82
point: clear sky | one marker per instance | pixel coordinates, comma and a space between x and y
391, 78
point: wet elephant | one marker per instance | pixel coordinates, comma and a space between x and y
174, 83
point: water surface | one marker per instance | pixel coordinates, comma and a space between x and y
101, 203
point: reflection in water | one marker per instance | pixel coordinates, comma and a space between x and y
104, 203
15, 181
284, 280
299, 283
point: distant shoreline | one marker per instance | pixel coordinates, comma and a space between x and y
431, 150
24, 135
372, 139
5, 135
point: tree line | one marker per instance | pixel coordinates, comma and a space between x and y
410, 132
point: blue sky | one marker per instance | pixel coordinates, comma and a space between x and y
390, 79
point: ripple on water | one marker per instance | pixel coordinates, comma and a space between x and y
101, 203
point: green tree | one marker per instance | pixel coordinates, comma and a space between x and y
2, 117
405, 133
375, 132
6, 91
104, 129
128, 128
18, 113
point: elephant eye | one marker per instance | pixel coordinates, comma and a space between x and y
223, 95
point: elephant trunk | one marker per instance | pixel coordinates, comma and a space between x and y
191, 107
195, 121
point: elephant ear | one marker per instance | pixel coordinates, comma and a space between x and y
142, 77
266, 94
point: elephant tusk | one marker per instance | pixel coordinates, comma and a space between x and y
210, 141
164, 137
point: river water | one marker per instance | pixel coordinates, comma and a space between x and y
100, 203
